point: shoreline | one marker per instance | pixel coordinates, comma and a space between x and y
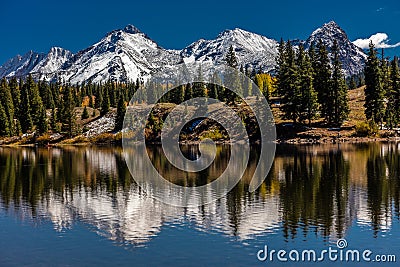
291, 141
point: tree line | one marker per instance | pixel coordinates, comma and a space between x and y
311, 84
27, 106
382, 89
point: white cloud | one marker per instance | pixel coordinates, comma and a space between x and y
380, 40
380, 9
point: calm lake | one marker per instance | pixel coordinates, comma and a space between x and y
79, 206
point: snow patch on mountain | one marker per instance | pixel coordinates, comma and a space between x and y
127, 54
55, 59
19, 66
123, 55
352, 57
253, 50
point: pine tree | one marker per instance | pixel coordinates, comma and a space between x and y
36, 103
91, 102
231, 77
243, 82
352, 84
121, 110
151, 95
215, 87
281, 68
322, 79
42, 125
53, 119
313, 58
105, 104
288, 83
16, 96
374, 91
393, 95
112, 94
199, 89
25, 117
247, 85
4, 122
46, 94
308, 104
338, 94
8, 105
85, 114
177, 95
67, 113
188, 91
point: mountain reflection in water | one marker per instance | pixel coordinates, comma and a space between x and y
310, 190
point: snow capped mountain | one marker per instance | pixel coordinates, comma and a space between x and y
251, 49
21, 65
38, 64
56, 57
127, 54
122, 55
352, 57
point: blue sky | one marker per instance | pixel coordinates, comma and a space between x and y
74, 25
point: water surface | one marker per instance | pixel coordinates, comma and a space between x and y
79, 206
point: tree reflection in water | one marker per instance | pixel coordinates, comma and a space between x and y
322, 190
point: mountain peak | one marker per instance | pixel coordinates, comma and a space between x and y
131, 29
331, 24
235, 31
351, 56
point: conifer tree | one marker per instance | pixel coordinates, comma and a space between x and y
113, 94
231, 77
313, 58
53, 119
105, 104
8, 105
85, 114
322, 79
4, 123
247, 85
16, 96
177, 95
42, 125
308, 104
215, 88
91, 102
36, 103
339, 110
25, 117
46, 94
374, 91
281, 68
151, 95
188, 91
68, 114
121, 110
199, 89
352, 84
288, 83
393, 95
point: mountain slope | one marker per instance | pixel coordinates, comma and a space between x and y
122, 55
21, 65
127, 54
352, 57
251, 49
